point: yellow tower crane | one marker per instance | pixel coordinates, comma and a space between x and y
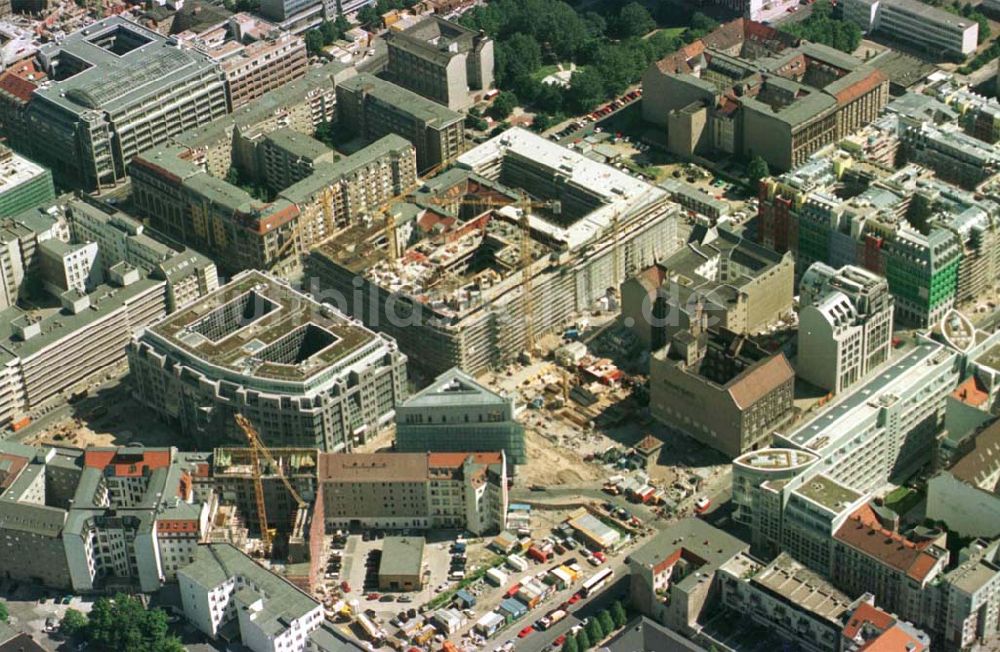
257, 448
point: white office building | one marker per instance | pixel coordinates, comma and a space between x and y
912, 22
845, 325
223, 585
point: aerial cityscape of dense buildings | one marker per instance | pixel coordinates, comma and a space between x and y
459, 325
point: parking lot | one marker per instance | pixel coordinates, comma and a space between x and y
37, 612
359, 569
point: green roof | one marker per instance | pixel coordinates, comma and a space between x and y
828, 493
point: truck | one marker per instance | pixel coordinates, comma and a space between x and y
538, 554
553, 617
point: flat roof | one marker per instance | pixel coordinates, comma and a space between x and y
794, 583
827, 492
772, 459
259, 313
402, 556
113, 81
895, 380
620, 194
373, 467
16, 170
57, 324
403, 100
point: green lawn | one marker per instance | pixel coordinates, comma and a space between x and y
902, 499
670, 31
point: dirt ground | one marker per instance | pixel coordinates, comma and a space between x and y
550, 465
109, 417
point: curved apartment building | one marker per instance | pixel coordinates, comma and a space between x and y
303, 373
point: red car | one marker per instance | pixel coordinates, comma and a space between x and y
559, 640
527, 631
345, 587
574, 598
600, 555
374, 596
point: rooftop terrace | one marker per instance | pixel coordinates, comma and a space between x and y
257, 326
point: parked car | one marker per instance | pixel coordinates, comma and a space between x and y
527, 631
702, 504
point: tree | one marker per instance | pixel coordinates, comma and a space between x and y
618, 614
586, 90
503, 105
519, 55
595, 631
822, 27
73, 624
756, 171
369, 15
596, 25
583, 641
4, 614
123, 623
607, 623
314, 42
701, 22
570, 645
633, 20
541, 122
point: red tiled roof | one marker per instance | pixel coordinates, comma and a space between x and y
758, 381
971, 392
7, 476
126, 465
863, 532
878, 631
177, 525
894, 639
21, 79
867, 614
455, 460
277, 218
860, 88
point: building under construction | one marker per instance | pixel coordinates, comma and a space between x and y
507, 246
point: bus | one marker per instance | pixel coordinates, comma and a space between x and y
596, 583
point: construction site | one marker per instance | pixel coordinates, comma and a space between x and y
486, 258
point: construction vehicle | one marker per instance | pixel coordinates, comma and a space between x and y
257, 449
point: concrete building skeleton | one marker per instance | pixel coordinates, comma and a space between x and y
453, 296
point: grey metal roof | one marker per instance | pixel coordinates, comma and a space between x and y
454, 388
419, 107
215, 563
112, 82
